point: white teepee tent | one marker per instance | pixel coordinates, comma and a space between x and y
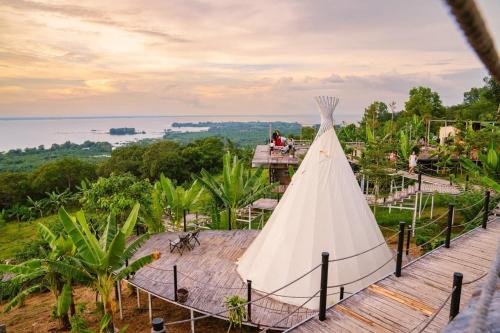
323, 209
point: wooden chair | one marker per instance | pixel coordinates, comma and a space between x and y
180, 243
176, 244
194, 237
185, 239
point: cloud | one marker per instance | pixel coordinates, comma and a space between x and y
221, 57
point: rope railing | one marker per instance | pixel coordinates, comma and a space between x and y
291, 313
433, 238
143, 278
205, 284
364, 276
476, 279
431, 319
288, 296
470, 206
468, 223
431, 222
246, 303
365, 251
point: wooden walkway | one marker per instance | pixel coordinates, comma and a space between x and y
209, 273
433, 184
405, 304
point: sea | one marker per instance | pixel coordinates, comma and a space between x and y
29, 132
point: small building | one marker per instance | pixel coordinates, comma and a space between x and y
446, 132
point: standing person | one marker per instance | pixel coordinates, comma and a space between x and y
412, 162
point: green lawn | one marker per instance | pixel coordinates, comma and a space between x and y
14, 235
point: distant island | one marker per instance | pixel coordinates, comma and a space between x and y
124, 131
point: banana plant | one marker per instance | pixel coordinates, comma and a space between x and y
56, 272
56, 200
103, 260
490, 170
36, 205
179, 199
238, 187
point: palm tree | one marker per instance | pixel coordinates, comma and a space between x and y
56, 273
179, 199
238, 188
104, 259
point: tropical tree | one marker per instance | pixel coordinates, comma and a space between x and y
238, 187
103, 260
117, 195
18, 212
178, 199
56, 199
37, 206
489, 173
56, 273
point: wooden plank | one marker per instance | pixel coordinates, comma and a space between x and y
403, 299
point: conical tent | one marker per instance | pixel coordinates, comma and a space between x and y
322, 210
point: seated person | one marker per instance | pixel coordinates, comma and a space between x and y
277, 139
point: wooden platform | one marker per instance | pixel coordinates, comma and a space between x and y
405, 304
209, 273
262, 156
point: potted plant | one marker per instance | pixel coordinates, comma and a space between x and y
182, 295
236, 311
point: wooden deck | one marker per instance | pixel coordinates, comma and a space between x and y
405, 304
209, 273
262, 157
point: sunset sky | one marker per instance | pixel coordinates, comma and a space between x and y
163, 57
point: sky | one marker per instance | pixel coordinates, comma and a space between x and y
185, 57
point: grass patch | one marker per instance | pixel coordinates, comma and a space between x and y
15, 235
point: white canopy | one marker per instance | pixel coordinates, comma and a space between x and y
323, 209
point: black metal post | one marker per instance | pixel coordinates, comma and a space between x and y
408, 236
419, 180
116, 289
466, 182
486, 208
399, 258
126, 265
323, 285
229, 226
249, 300
342, 293
448, 227
455, 296
185, 224
175, 283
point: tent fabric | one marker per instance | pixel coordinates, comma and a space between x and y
322, 209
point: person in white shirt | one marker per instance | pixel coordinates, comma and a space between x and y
412, 163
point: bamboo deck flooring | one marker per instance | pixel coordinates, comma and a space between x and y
209, 273
405, 304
